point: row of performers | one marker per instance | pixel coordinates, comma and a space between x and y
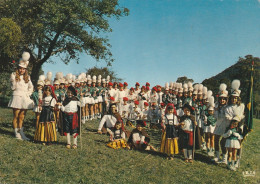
207, 114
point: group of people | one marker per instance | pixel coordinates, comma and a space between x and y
187, 114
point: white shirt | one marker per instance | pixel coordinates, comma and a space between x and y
124, 111
138, 137
72, 106
170, 119
110, 121
49, 100
188, 126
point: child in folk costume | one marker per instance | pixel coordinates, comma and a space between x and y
154, 96
162, 109
37, 98
233, 136
135, 112
70, 109
188, 124
131, 97
169, 142
209, 126
139, 138
142, 97
126, 89
145, 111
222, 124
120, 95
46, 130
125, 109
166, 98
117, 137
160, 93
154, 116
137, 89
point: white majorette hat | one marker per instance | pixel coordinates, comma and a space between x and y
62, 81
211, 104
24, 62
223, 90
108, 79
190, 88
196, 88
89, 81
94, 78
235, 88
209, 94
205, 92
185, 87
41, 80
171, 85
99, 78
103, 80
56, 82
167, 86
59, 75
200, 88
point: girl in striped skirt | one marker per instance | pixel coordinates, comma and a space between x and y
46, 130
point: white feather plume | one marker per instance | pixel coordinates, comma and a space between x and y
69, 76
108, 78
189, 84
94, 77
59, 75
204, 90
171, 84
196, 87
209, 93
49, 76
211, 101
26, 56
185, 86
41, 77
235, 84
222, 87
99, 77
73, 77
200, 87
166, 85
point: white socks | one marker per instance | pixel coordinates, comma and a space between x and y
23, 135
68, 138
17, 134
75, 139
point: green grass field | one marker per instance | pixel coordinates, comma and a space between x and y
28, 162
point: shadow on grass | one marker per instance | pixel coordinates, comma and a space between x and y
6, 132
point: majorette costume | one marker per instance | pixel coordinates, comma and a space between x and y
46, 130
70, 109
210, 120
139, 139
169, 141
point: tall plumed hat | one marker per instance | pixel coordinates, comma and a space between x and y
190, 88
24, 62
166, 86
235, 88
223, 90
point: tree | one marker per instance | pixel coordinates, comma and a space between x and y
63, 28
104, 72
184, 79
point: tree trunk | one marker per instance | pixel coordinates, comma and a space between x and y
35, 73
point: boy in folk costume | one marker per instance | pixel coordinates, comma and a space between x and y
135, 112
233, 135
126, 89
154, 116
71, 119
169, 142
145, 111
120, 94
46, 130
160, 93
188, 123
139, 138
125, 109
154, 96
37, 98
137, 89
209, 126
111, 92
166, 97
131, 97
117, 136
148, 93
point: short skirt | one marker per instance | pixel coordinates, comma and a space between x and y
209, 129
21, 102
230, 143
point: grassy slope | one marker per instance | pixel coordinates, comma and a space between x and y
27, 162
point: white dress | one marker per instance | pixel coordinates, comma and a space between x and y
21, 93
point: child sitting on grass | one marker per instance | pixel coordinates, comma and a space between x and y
117, 136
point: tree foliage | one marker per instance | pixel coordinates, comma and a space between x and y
184, 79
63, 28
104, 72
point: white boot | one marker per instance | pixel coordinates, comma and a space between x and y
23, 135
83, 120
217, 159
17, 134
68, 141
224, 159
74, 146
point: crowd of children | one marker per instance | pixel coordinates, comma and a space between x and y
187, 115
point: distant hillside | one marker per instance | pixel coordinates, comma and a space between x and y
242, 71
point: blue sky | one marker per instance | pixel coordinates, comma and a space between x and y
162, 40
